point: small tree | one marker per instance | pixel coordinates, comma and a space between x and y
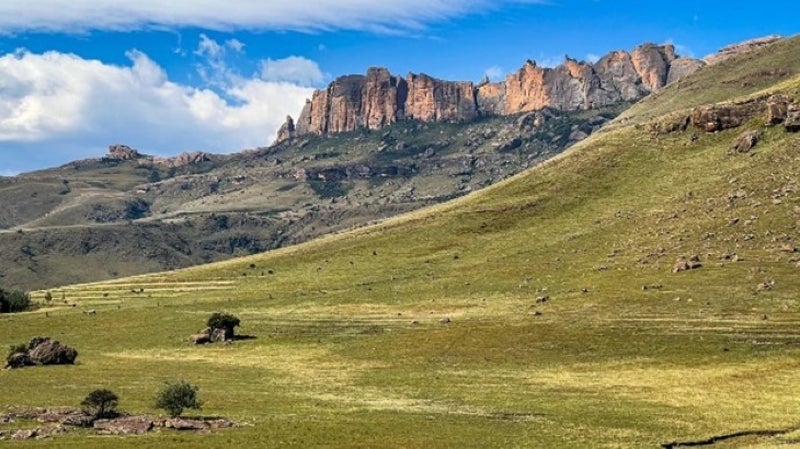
224, 321
48, 296
177, 396
100, 404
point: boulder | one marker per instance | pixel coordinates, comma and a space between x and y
792, 123
186, 424
777, 109
200, 339
18, 360
132, 425
746, 141
221, 335
52, 352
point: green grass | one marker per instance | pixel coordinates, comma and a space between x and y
350, 351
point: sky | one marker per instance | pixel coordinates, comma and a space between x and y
166, 77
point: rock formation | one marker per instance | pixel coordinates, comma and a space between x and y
122, 153
740, 48
42, 351
379, 99
183, 159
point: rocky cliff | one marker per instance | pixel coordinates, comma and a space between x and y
379, 98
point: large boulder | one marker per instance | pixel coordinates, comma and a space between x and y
746, 141
52, 352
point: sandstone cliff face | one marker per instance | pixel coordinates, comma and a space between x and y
379, 99
430, 99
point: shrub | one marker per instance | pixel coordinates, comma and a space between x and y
100, 404
14, 301
48, 296
225, 321
177, 396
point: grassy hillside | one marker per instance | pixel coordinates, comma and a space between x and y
106, 210
567, 326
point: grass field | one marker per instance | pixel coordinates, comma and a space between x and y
350, 351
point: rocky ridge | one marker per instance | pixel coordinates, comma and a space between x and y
743, 47
379, 98
126, 153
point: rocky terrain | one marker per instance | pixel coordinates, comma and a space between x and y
379, 98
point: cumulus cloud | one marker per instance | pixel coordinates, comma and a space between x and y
294, 69
73, 104
308, 15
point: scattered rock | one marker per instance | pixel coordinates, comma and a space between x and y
766, 285
684, 265
130, 425
788, 248
445, 320
746, 141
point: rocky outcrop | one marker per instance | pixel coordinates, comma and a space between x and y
379, 99
122, 153
720, 117
287, 130
43, 351
740, 48
183, 159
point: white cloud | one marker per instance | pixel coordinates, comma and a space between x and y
592, 58
294, 69
495, 73
57, 100
310, 15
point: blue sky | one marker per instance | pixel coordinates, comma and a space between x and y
168, 77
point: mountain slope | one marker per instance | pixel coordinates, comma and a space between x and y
199, 208
566, 325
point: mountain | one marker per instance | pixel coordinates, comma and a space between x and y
379, 99
128, 213
638, 290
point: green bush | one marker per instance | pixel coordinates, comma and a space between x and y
100, 404
14, 301
177, 396
225, 321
